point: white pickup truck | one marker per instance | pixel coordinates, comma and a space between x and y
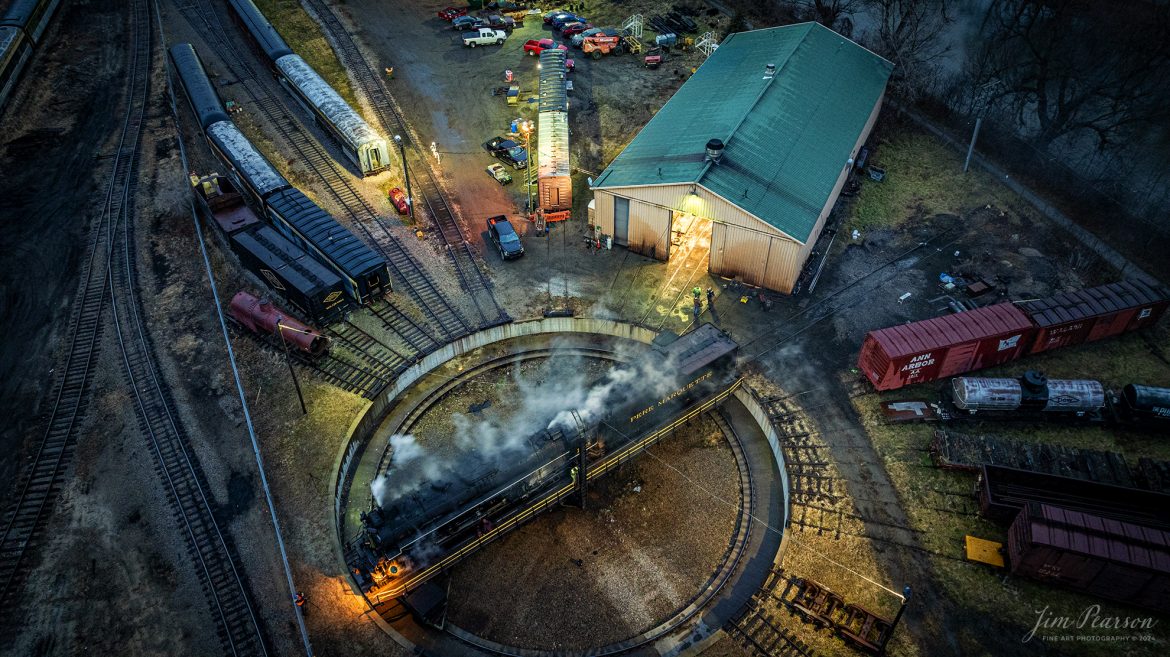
484, 36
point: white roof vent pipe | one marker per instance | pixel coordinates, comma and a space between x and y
714, 150
769, 71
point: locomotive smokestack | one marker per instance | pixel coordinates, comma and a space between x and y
715, 150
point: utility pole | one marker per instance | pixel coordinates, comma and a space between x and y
971, 148
406, 173
291, 371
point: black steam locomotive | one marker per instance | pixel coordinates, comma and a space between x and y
472, 500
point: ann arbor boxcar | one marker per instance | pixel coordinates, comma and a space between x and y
944, 346
361, 143
935, 348
1112, 559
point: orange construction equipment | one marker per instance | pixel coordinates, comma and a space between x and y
598, 44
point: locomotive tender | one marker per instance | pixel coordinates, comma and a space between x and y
427, 529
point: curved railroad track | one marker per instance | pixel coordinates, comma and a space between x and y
211, 551
72, 395
471, 275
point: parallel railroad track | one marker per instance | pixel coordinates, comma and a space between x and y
24, 520
427, 187
395, 320
211, 551
409, 272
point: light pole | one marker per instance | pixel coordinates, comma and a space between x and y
405, 172
287, 359
526, 129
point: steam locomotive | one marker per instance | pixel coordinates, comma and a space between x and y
427, 529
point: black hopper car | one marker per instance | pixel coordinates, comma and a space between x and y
423, 529
22, 30
363, 272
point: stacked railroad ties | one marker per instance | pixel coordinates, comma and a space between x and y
1106, 540
554, 185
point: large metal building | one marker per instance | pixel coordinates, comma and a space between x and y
749, 155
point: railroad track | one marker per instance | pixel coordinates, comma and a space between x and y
411, 276
211, 551
25, 518
759, 633
471, 276
409, 330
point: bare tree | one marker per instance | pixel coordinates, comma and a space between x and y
1068, 66
909, 33
836, 15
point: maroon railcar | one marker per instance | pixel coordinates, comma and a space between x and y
1072, 318
262, 317
944, 346
1112, 559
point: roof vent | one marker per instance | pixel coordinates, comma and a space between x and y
715, 150
769, 71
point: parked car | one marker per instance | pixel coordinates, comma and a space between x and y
556, 13
451, 13
558, 23
398, 200
507, 151
484, 36
505, 238
534, 46
497, 22
499, 173
579, 39
574, 28
468, 23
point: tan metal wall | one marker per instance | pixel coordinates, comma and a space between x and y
844, 175
765, 258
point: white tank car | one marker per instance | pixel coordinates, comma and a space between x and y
361, 142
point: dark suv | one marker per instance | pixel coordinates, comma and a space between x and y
505, 237
507, 151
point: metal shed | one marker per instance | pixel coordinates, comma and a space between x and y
362, 143
757, 143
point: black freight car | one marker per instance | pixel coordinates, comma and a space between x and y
1116, 560
362, 271
311, 288
1004, 491
1145, 404
22, 28
468, 501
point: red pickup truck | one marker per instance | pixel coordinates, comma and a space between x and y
534, 46
451, 13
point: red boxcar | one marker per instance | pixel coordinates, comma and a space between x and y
1085, 315
944, 346
1116, 560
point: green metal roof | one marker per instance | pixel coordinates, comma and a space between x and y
786, 139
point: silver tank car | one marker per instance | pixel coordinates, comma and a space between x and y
258, 174
361, 142
974, 394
